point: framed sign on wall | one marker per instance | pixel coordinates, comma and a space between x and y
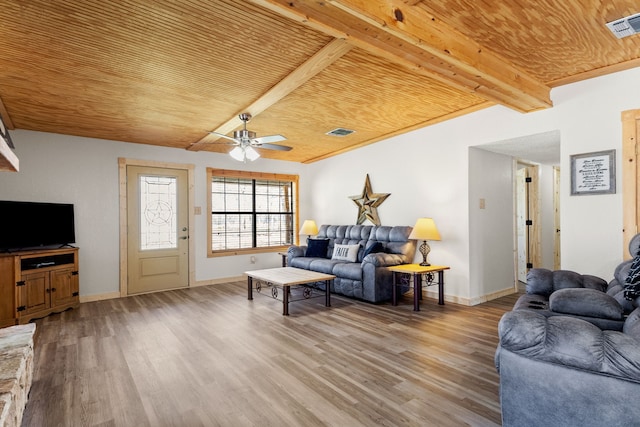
593, 173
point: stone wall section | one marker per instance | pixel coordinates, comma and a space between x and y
16, 372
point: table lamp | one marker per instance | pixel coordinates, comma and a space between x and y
425, 229
309, 228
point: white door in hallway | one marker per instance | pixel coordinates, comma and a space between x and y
157, 229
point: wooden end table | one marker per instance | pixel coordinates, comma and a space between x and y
286, 277
417, 271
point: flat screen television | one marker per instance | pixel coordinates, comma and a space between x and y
29, 225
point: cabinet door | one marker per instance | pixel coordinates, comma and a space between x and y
64, 287
7, 291
33, 296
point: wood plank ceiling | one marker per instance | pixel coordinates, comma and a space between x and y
162, 72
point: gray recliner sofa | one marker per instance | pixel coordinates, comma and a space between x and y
367, 277
568, 293
562, 365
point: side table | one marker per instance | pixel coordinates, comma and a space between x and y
417, 271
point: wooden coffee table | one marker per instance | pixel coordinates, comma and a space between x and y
286, 277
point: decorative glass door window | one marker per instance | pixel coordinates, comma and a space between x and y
158, 204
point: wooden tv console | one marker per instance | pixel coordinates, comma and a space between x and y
36, 283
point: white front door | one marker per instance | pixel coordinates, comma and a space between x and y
157, 229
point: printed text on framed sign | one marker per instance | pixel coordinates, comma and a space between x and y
593, 173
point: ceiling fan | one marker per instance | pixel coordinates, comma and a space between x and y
245, 142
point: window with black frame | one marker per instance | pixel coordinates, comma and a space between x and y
251, 212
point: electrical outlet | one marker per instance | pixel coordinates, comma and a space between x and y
252, 260
197, 210
482, 204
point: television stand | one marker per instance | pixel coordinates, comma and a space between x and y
36, 283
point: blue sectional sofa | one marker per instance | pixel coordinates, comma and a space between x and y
374, 248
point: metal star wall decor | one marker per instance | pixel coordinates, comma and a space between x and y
368, 203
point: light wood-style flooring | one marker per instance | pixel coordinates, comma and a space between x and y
207, 356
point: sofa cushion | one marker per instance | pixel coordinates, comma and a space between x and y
322, 265
348, 270
632, 324
399, 247
571, 342
585, 302
347, 253
317, 248
542, 281
302, 262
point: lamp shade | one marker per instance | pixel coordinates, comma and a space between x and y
242, 153
425, 229
250, 153
309, 227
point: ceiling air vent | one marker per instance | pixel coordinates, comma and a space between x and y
340, 132
624, 27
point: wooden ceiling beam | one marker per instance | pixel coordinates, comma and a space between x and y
405, 33
326, 56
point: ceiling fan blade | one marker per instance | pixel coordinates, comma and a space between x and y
274, 147
220, 135
269, 138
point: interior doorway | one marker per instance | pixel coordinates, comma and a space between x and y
527, 221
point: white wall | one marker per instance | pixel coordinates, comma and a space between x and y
590, 114
84, 171
426, 171
491, 228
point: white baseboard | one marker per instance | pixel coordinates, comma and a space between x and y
112, 295
218, 281
447, 298
99, 297
472, 301
492, 296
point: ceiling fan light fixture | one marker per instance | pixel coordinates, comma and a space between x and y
242, 154
238, 154
251, 154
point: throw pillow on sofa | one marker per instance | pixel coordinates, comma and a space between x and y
372, 248
317, 248
632, 283
347, 253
